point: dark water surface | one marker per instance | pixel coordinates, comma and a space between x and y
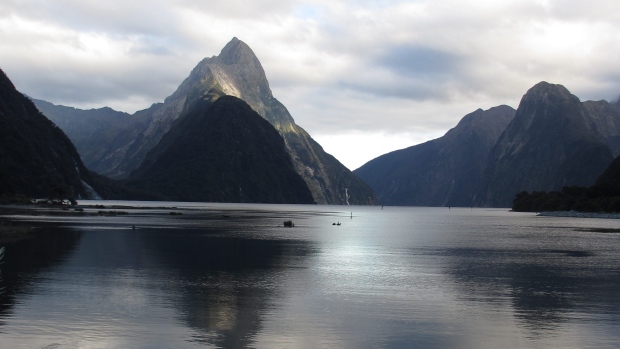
230, 276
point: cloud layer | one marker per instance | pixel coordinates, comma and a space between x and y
349, 72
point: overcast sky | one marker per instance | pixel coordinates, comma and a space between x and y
362, 77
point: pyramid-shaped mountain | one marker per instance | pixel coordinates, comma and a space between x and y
237, 72
222, 151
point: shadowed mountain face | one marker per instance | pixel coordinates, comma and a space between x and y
610, 179
222, 151
604, 120
38, 160
552, 142
235, 72
447, 171
95, 133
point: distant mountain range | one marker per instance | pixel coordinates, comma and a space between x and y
551, 141
447, 171
222, 136
115, 144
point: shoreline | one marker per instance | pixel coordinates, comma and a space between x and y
575, 214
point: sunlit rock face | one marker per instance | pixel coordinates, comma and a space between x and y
237, 72
222, 151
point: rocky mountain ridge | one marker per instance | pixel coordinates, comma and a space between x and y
222, 151
237, 72
553, 140
38, 160
447, 171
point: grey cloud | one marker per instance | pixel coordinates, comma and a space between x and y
334, 67
415, 60
580, 10
248, 10
152, 46
113, 17
411, 72
419, 90
82, 85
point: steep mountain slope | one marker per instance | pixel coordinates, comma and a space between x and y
447, 171
93, 132
603, 196
235, 72
222, 151
604, 120
38, 160
609, 180
549, 144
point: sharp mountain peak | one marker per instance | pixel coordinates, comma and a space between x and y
544, 90
235, 52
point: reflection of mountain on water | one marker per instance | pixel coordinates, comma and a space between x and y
545, 288
218, 284
25, 259
225, 283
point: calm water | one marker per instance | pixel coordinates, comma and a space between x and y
229, 276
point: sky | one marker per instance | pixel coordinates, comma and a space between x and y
362, 77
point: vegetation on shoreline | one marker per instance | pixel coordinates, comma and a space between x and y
592, 199
603, 196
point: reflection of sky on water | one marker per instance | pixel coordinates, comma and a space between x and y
391, 279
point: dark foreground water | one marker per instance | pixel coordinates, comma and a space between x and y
230, 276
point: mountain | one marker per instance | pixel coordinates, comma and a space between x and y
609, 181
553, 141
604, 120
603, 196
447, 171
94, 132
237, 72
38, 160
222, 151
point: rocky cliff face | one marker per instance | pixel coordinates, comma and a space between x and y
235, 72
38, 160
94, 132
604, 120
222, 151
550, 143
447, 171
